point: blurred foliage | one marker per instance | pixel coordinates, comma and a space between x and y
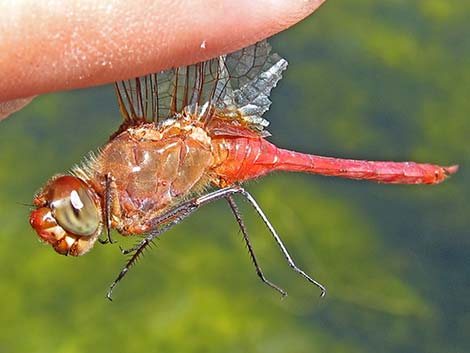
367, 79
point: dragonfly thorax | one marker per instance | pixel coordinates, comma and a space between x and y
151, 167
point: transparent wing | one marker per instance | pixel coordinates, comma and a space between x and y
253, 72
240, 81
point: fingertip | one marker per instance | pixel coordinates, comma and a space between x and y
9, 107
88, 43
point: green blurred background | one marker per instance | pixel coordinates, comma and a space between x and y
375, 80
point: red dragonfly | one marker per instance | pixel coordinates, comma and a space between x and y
185, 130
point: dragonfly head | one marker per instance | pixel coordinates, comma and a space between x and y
67, 215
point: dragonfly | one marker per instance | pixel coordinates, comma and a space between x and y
190, 136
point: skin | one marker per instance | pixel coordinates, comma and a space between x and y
54, 45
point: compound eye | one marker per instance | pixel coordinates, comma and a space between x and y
73, 207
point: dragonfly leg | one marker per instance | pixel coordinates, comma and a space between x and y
242, 226
138, 252
180, 212
166, 221
176, 215
107, 211
173, 216
279, 242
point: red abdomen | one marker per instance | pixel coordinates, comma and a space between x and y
241, 158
